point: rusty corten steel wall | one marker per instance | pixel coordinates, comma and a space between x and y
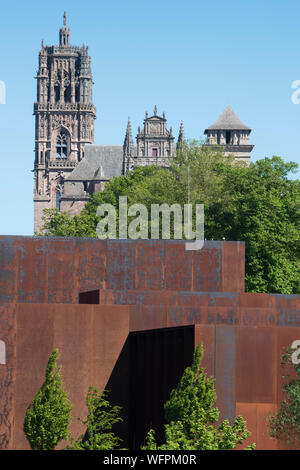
55, 270
142, 285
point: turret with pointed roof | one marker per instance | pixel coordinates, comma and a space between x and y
231, 133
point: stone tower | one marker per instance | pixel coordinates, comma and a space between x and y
64, 119
231, 133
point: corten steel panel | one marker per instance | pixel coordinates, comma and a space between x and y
265, 377
270, 309
207, 267
61, 267
91, 265
258, 369
32, 270
225, 371
251, 300
164, 297
178, 267
120, 264
7, 374
137, 297
192, 299
233, 267
147, 317
254, 317
246, 364
284, 302
89, 338
8, 274
149, 264
178, 315
207, 335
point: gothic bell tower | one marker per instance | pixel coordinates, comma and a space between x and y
64, 119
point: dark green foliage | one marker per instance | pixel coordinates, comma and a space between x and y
285, 425
99, 423
192, 417
48, 416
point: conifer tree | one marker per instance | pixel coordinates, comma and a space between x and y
49, 414
192, 417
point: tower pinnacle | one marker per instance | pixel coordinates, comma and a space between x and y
181, 139
64, 33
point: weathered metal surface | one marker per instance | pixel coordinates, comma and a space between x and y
233, 267
55, 269
139, 286
7, 374
225, 371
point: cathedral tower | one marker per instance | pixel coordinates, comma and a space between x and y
64, 118
229, 132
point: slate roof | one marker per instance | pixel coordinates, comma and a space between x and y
228, 120
100, 162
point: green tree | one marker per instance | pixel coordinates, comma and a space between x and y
285, 424
101, 418
192, 417
48, 416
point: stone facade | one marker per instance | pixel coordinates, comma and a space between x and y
155, 143
64, 115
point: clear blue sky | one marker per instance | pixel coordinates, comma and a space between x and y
190, 58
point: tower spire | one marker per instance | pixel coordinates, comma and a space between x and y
64, 33
128, 141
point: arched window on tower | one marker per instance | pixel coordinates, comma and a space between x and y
61, 146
